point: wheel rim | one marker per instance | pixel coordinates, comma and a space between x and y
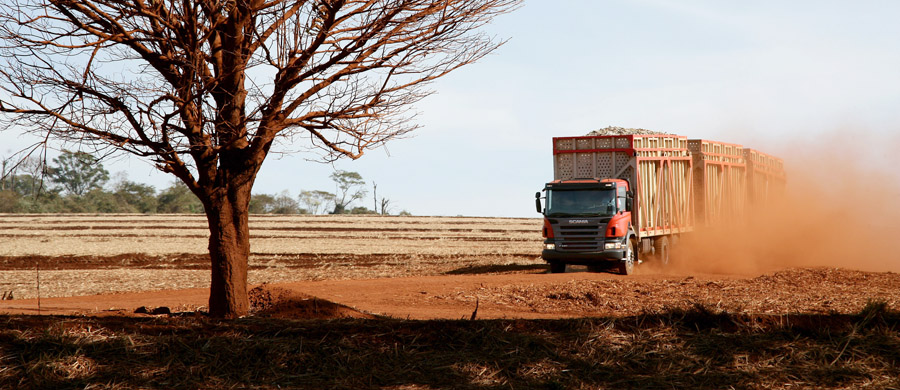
629, 261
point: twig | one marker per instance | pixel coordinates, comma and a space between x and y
37, 271
849, 339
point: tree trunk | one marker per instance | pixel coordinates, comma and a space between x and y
229, 251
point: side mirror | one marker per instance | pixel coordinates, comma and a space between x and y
629, 204
537, 202
629, 194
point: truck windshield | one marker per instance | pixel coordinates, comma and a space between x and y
582, 203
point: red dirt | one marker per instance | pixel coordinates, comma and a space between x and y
278, 302
522, 295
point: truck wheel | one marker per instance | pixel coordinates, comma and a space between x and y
662, 250
626, 267
557, 267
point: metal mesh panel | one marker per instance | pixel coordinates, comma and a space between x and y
605, 166
694, 146
565, 164
604, 143
622, 160
584, 143
565, 144
584, 166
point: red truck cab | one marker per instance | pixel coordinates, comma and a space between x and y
588, 222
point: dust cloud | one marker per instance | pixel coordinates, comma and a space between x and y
841, 208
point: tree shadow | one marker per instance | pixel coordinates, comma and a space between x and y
496, 268
675, 349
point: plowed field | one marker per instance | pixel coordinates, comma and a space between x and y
86, 255
406, 267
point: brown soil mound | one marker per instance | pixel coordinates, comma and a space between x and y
276, 302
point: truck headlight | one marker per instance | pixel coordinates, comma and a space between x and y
613, 245
550, 247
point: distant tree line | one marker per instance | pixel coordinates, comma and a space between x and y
76, 182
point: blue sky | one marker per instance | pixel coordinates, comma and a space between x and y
764, 74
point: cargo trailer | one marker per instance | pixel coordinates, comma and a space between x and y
651, 178
720, 191
765, 177
617, 200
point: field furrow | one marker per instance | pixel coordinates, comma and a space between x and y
89, 254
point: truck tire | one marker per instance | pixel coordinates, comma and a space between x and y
663, 254
557, 267
626, 267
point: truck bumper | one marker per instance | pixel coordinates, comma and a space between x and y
583, 258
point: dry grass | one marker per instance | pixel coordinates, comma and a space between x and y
696, 348
710, 340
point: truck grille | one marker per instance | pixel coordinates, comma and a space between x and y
579, 231
582, 237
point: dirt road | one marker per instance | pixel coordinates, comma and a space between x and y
403, 267
532, 295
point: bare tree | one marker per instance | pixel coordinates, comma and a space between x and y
204, 88
384, 206
384, 201
30, 182
349, 188
375, 195
4, 173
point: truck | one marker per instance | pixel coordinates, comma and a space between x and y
617, 200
